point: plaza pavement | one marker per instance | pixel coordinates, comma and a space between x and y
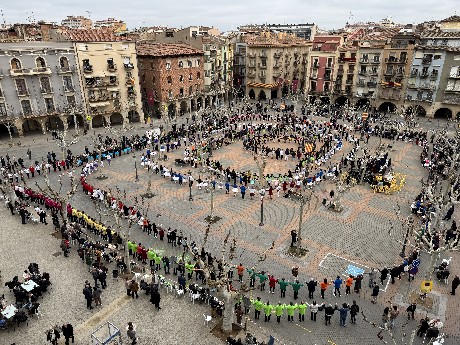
358, 235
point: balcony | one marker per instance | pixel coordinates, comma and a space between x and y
111, 67
364, 61
277, 65
424, 74
349, 81
328, 66
413, 73
361, 83
389, 73
88, 68
426, 87
451, 99
277, 55
128, 65
251, 75
412, 86
374, 73
314, 76
252, 55
351, 71
69, 88
23, 92
402, 60
41, 70
47, 90
261, 66
65, 69
263, 55
363, 73
276, 75
262, 75
371, 84
454, 75
400, 74
375, 62
327, 77
434, 76
391, 60
426, 61
452, 88
315, 65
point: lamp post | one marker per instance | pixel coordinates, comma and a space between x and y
190, 182
135, 168
262, 194
408, 225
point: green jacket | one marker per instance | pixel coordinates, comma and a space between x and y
296, 286
283, 284
258, 305
279, 309
262, 277
151, 255
268, 308
252, 273
130, 245
157, 259
290, 309
302, 308
189, 268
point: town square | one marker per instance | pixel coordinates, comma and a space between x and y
153, 192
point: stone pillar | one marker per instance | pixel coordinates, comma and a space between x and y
18, 123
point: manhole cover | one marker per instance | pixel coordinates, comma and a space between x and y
57, 254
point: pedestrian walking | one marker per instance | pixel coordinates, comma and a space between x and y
67, 332
394, 312
354, 310
132, 333
97, 296
411, 311
375, 293
155, 298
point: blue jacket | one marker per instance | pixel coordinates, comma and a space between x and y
337, 283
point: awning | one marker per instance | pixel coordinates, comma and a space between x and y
99, 104
263, 86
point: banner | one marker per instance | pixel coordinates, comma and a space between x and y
150, 97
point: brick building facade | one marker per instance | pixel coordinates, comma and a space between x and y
171, 78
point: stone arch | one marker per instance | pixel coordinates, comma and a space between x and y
133, 116
262, 96
387, 107
252, 94
15, 63
341, 101
64, 62
5, 132
53, 123
31, 125
40, 62
418, 110
116, 119
71, 120
363, 103
443, 113
98, 121
183, 107
171, 109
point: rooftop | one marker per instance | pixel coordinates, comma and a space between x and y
270, 39
438, 33
165, 49
451, 19
91, 35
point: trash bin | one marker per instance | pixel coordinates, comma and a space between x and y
115, 273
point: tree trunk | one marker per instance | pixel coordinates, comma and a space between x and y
227, 320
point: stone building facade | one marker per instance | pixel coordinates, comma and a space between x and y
39, 87
171, 79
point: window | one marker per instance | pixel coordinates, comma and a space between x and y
45, 85
64, 63
198, 75
364, 57
170, 94
110, 64
3, 111
129, 75
181, 78
125, 46
190, 77
181, 64
329, 62
40, 62
49, 105
190, 90
15, 64
326, 86
169, 80
71, 101
21, 86
198, 63
189, 63
26, 107
181, 92
312, 85
437, 57
68, 84
108, 46
168, 65
377, 58
169, 33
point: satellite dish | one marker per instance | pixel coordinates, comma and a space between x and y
157, 131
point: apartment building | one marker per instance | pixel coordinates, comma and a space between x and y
322, 66
111, 23
276, 64
108, 76
39, 87
171, 78
77, 22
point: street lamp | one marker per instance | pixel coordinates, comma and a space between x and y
135, 168
190, 182
262, 194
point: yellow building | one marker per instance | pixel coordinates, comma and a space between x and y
109, 82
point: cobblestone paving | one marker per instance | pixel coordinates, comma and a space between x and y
358, 235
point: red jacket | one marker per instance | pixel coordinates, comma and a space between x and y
272, 281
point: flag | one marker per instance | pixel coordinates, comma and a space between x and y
151, 97
308, 147
364, 116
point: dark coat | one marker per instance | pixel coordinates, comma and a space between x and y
88, 293
155, 297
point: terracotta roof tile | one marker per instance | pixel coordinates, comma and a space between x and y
438, 33
91, 35
165, 49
